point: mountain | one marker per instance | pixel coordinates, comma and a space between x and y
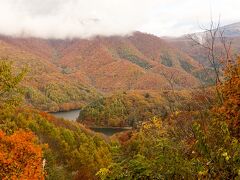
67, 74
183, 43
47, 86
231, 30
134, 62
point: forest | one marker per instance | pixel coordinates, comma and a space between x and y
195, 138
178, 131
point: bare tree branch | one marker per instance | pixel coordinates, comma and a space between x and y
217, 47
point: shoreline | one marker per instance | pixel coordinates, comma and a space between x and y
115, 128
63, 111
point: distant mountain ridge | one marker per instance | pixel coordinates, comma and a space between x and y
231, 30
69, 73
183, 43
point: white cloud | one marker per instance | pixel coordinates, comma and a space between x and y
86, 18
72, 18
177, 17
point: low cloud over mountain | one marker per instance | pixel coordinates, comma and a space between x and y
72, 18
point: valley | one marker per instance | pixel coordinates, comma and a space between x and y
135, 106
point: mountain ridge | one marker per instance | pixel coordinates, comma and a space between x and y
231, 33
101, 64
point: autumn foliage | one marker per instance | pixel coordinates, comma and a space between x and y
65, 74
194, 143
20, 157
177, 134
231, 94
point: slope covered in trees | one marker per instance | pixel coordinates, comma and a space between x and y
68, 74
129, 109
122, 109
68, 148
177, 134
47, 86
36, 145
199, 144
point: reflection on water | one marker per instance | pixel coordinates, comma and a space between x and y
69, 115
109, 131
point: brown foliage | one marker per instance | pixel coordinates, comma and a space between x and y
231, 94
105, 63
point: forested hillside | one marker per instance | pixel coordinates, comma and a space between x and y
187, 144
47, 86
176, 134
130, 109
68, 74
36, 145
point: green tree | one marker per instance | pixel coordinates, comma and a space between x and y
10, 91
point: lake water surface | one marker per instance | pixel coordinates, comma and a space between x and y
69, 115
109, 131
73, 115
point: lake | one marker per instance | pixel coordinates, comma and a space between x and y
73, 115
109, 131
69, 115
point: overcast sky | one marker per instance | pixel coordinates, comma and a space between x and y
86, 18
